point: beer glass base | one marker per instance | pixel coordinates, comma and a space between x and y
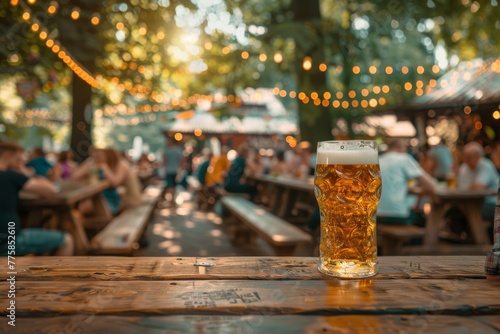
348, 269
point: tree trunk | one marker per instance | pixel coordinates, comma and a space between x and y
81, 130
315, 122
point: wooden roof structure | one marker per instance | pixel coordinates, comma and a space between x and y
473, 86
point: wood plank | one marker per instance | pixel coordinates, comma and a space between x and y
179, 268
297, 184
401, 231
275, 230
122, 234
446, 249
240, 297
392, 237
71, 193
290, 324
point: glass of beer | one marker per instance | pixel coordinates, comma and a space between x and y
347, 185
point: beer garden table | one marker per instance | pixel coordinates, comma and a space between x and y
283, 192
63, 206
468, 201
248, 295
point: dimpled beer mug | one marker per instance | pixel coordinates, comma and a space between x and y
347, 186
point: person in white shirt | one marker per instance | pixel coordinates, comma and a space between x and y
477, 172
397, 167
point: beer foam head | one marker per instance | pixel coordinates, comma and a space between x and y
347, 155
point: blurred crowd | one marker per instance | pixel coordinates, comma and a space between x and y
43, 173
230, 169
443, 165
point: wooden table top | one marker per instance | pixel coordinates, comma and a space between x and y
250, 294
447, 193
296, 183
71, 192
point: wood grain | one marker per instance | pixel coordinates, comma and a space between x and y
297, 184
254, 268
289, 324
71, 193
240, 297
272, 228
122, 234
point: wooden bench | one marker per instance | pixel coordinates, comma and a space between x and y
122, 234
391, 238
281, 235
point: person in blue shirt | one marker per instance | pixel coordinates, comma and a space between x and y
443, 161
201, 172
234, 181
38, 162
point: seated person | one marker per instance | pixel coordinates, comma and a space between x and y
107, 164
253, 165
39, 162
397, 167
131, 183
30, 240
65, 164
234, 181
201, 171
217, 170
477, 172
278, 165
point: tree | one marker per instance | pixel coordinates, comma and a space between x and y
159, 51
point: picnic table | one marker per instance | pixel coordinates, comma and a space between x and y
469, 202
249, 295
284, 192
63, 206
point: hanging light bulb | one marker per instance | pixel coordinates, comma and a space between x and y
52, 7
278, 57
75, 14
307, 63
95, 19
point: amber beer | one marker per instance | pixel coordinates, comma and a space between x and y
347, 187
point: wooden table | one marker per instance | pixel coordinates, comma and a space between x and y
249, 295
284, 192
63, 206
469, 202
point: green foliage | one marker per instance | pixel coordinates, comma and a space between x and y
146, 46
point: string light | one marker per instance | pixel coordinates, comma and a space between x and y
75, 14
278, 57
307, 63
96, 19
56, 47
52, 8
